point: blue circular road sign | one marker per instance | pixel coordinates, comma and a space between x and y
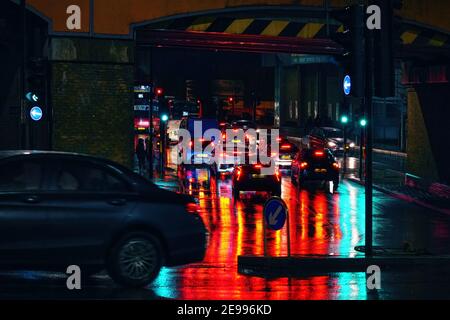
36, 113
275, 213
347, 85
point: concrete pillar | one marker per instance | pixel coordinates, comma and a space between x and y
420, 161
91, 96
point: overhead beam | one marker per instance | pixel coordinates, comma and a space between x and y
233, 42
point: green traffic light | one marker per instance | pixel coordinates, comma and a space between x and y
363, 122
164, 117
344, 119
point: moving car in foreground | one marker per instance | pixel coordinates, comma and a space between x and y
249, 177
315, 165
61, 209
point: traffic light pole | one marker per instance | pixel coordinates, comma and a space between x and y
369, 143
23, 112
345, 151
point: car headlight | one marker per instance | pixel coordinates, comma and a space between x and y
331, 144
352, 145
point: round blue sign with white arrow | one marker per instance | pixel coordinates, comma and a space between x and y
347, 85
36, 113
275, 213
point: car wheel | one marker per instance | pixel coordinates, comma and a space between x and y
236, 193
135, 260
293, 180
300, 183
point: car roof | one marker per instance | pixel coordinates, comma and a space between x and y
15, 153
330, 129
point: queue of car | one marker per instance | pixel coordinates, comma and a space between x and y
308, 164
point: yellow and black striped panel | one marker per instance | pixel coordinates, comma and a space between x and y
422, 37
251, 26
409, 35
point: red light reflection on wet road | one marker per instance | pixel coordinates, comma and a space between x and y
236, 228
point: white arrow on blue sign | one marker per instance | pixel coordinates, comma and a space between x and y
347, 85
275, 213
36, 113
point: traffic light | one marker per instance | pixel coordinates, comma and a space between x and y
363, 122
344, 119
159, 92
385, 38
350, 35
230, 99
35, 87
164, 117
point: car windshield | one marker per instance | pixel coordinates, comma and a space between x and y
333, 133
242, 124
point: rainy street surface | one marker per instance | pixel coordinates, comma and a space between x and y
321, 223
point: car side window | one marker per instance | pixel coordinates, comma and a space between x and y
82, 177
320, 133
21, 176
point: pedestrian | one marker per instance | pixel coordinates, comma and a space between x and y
141, 155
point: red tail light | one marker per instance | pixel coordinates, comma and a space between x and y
336, 165
286, 146
193, 208
279, 139
224, 136
191, 143
238, 173
304, 165
319, 153
258, 166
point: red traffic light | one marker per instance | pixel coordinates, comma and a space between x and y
159, 91
230, 99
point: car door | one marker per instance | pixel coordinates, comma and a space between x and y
89, 201
24, 225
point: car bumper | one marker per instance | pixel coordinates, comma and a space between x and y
313, 176
283, 163
187, 248
267, 184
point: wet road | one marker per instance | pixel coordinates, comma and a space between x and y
321, 223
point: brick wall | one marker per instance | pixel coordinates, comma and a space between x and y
92, 102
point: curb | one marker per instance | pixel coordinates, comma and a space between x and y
404, 197
317, 265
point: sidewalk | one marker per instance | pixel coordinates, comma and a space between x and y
410, 194
168, 181
389, 177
